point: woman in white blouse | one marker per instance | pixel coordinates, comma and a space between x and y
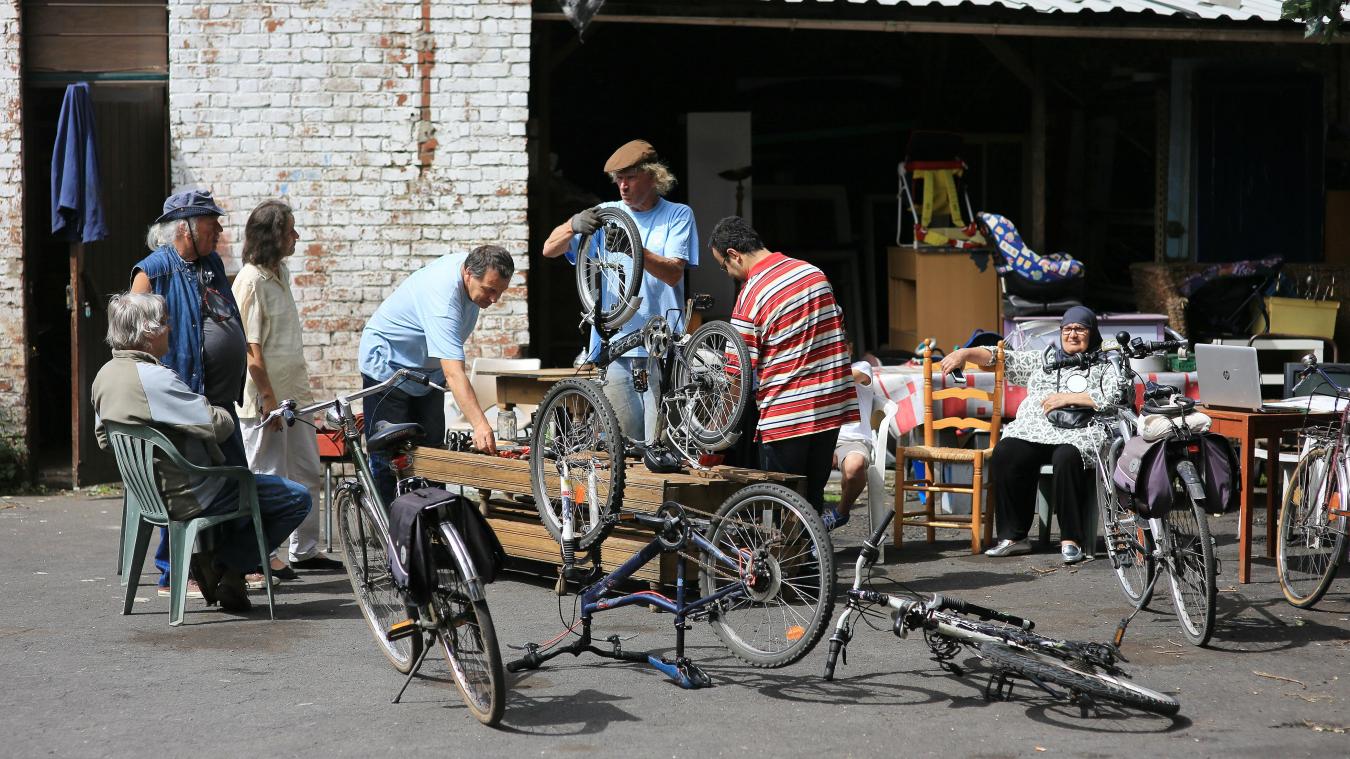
276, 372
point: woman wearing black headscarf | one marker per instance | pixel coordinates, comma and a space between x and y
1031, 440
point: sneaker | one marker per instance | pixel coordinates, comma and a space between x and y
833, 519
194, 590
1072, 554
1010, 548
255, 580
319, 562
231, 594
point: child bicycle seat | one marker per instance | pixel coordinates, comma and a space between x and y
1023, 261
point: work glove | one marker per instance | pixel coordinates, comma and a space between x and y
585, 222
616, 240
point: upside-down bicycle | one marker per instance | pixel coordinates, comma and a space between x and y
765, 570
700, 379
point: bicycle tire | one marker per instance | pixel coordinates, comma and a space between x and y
468, 639
780, 618
1078, 678
1307, 570
1129, 544
380, 602
576, 423
711, 395
1190, 565
611, 274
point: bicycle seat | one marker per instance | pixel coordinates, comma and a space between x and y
1177, 408
387, 436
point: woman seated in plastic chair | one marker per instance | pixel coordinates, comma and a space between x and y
1053, 426
134, 388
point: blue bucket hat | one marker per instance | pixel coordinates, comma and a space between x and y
185, 205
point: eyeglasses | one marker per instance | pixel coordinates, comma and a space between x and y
1075, 331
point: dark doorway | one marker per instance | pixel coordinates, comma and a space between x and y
1259, 170
69, 284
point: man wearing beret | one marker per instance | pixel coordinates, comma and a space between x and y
669, 242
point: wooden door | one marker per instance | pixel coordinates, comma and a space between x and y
131, 119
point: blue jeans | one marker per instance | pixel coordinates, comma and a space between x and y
282, 504
233, 449
636, 411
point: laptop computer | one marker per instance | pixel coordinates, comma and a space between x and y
1229, 378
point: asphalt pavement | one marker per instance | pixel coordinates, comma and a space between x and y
79, 679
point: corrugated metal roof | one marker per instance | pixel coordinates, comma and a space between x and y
1233, 10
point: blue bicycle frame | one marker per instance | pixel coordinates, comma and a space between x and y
674, 531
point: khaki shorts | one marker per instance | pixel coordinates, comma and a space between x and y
844, 447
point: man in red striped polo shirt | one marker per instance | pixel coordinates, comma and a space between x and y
794, 329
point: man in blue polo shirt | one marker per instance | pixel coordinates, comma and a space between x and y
669, 244
423, 326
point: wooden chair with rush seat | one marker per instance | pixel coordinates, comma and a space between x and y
932, 483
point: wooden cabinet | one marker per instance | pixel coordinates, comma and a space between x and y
939, 293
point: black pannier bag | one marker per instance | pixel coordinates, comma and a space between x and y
413, 569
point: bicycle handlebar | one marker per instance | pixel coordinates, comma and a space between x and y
941, 602
287, 409
1136, 348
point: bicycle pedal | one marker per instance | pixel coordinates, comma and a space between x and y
400, 630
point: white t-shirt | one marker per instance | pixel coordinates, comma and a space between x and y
861, 429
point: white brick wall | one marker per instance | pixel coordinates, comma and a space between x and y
320, 103
13, 387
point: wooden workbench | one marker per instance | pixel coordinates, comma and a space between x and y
528, 386
523, 536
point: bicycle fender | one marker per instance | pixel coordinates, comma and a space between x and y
1195, 486
463, 560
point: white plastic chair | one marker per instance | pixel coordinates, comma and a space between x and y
877, 499
485, 387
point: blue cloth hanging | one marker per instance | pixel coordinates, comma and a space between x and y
77, 210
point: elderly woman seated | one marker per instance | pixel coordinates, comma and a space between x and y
134, 388
1066, 441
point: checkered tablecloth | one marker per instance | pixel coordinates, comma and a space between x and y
904, 385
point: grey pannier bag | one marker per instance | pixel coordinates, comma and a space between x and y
1141, 478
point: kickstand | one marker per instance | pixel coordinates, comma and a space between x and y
417, 665
1119, 637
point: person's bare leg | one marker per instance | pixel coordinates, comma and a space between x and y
853, 472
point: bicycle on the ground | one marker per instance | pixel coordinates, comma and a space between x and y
1179, 542
457, 615
1314, 518
765, 570
1087, 672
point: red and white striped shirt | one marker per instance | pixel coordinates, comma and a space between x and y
794, 329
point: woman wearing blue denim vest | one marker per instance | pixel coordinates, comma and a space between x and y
206, 338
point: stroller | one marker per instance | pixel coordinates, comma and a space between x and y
1220, 300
